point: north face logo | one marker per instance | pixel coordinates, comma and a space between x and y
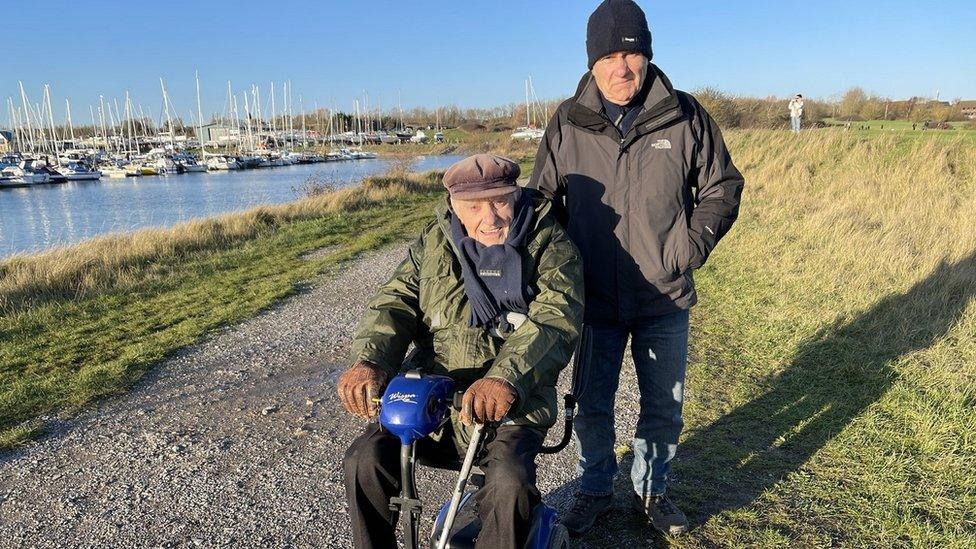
628, 39
661, 144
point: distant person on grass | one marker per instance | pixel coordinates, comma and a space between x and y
645, 186
796, 112
491, 294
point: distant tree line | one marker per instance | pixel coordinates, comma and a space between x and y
855, 105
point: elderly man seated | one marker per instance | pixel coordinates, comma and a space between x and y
491, 295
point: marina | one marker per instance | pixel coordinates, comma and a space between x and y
251, 132
126, 169
42, 216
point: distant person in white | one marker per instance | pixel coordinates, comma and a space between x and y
796, 112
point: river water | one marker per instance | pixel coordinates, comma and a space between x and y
43, 216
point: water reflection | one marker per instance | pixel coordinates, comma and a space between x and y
40, 217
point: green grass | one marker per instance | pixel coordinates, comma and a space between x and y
904, 127
835, 350
60, 355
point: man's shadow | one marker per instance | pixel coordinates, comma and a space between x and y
833, 378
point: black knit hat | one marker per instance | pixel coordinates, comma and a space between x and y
617, 25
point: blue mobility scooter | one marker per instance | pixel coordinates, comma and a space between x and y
414, 406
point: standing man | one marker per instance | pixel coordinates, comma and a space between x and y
644, 184
796, 112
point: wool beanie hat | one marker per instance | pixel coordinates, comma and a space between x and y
617, 25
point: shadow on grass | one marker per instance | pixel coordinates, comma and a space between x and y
833, 378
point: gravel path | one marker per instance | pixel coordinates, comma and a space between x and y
237, 442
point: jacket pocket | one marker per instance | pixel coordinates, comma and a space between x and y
676, 254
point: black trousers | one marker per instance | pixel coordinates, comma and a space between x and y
505, 503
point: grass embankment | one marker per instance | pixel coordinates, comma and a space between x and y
833, 397
87, 320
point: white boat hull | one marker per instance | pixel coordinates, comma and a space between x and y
89, 176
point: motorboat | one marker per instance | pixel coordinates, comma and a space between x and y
163, 165
419, 137
23, 175
188, 163
79, 171
112, 170
295, 158
43, 166
526, 133
271, 161
219, 163
359, 154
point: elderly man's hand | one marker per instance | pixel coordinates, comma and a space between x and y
359, 386
487, 399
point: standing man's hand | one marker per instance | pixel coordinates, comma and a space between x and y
487, 399
359, 386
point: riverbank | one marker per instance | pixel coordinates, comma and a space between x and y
45, 216
86, 321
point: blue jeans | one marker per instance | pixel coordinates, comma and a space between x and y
659, 346
795, 123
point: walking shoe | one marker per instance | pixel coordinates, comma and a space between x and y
586, 509
665, 517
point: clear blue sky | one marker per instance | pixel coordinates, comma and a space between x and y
473, 53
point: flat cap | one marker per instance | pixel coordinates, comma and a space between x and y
481, 176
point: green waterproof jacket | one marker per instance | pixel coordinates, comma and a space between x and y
424, 304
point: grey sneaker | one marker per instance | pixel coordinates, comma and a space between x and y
665, 517
586, 509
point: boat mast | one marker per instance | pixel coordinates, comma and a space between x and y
71, 129
301, 105
169, 121
91, 113
30, 130
131, 123
203, 152
237, 125
15, 123
256, 101
101, 116
291, 116
274, 133
50, 117
247, 118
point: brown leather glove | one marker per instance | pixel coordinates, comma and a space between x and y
359, 386
487, 399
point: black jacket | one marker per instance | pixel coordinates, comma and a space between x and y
645, 209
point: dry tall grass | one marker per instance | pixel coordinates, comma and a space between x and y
109, 261
833, 395
885, 210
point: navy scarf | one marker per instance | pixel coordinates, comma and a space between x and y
623, 116
493, 274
